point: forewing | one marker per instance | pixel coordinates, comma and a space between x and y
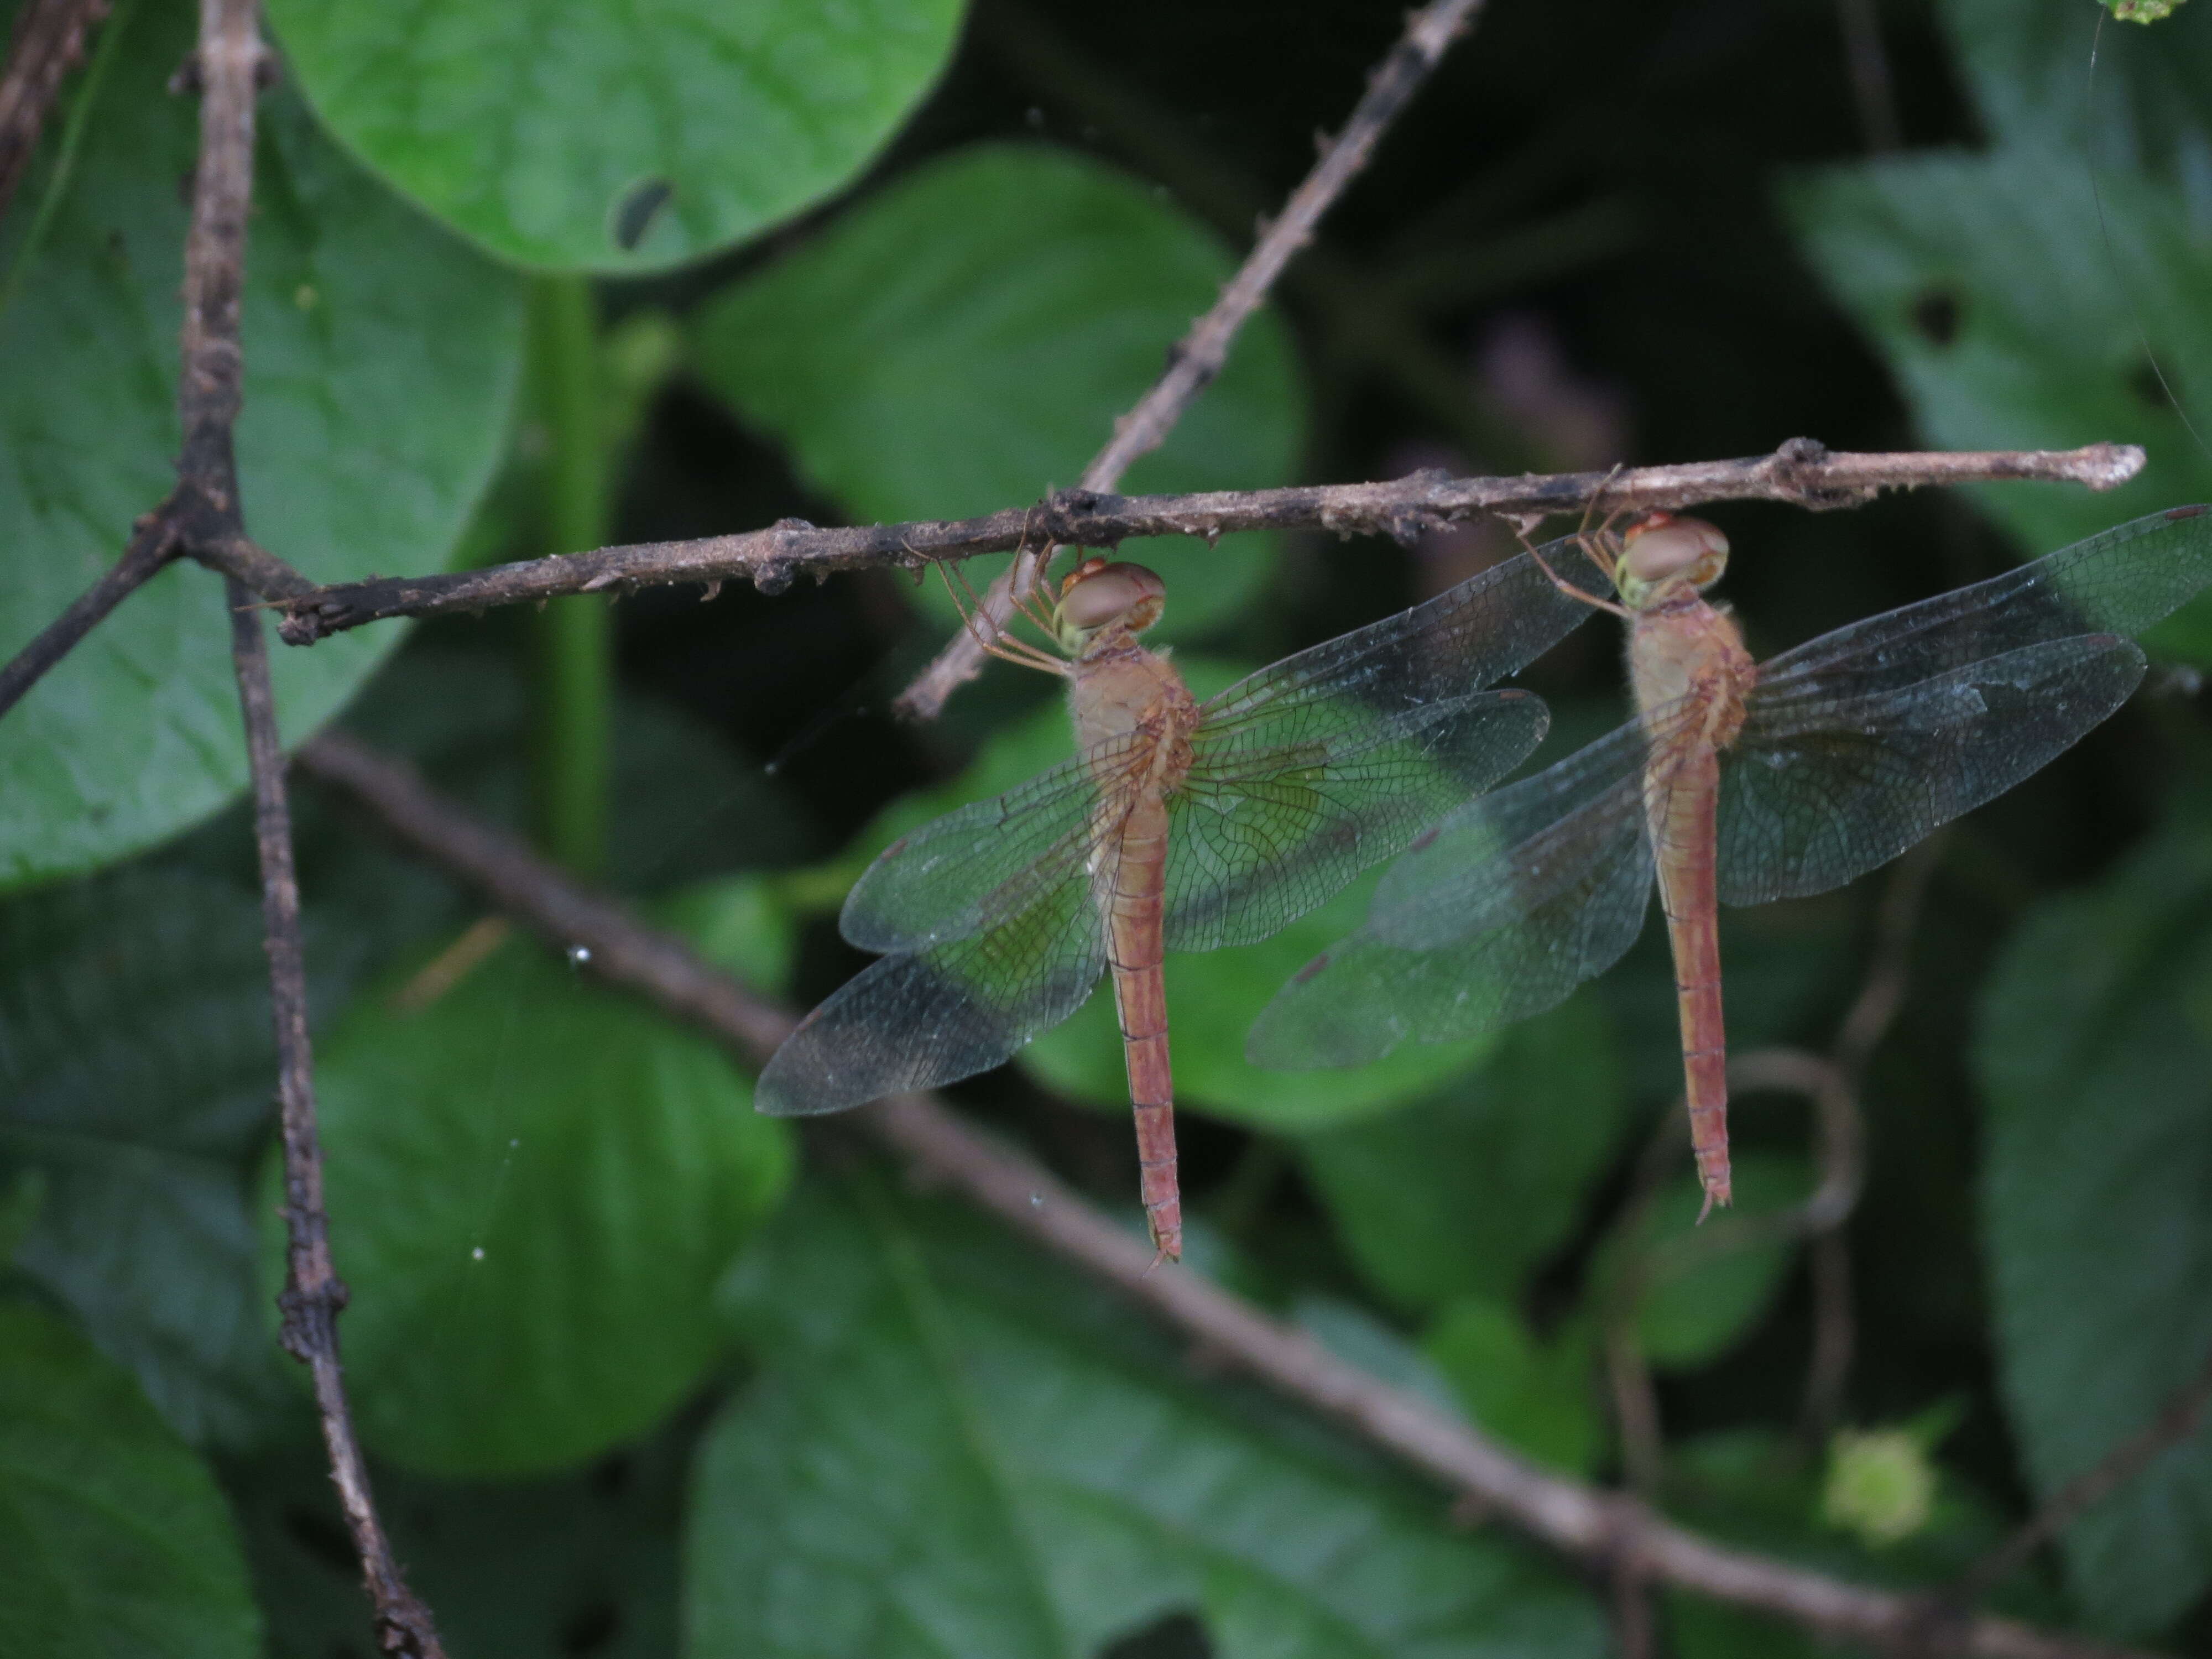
916, 1020
2120, 581
1518, 898
1492, 624
943, 881
1281, 810
1816, 792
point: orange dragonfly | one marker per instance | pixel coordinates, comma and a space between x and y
1178, 825
1737, 783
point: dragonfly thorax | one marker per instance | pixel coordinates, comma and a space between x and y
1664, 556
1100, 596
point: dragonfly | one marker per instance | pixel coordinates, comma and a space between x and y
1178, 825
1734, 784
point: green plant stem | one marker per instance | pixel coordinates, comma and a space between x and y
572, 639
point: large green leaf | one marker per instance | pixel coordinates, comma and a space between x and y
2023, 301
590, 135
964, 340
2095, 1050
1465, 1192
135, 1072
380, 361
1541, 1395
949, 1453
114, 1541
533, 1184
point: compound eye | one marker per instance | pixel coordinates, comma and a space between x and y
1661, 546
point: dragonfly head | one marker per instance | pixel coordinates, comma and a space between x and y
1662, 552
1099, 595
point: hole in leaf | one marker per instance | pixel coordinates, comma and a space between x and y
1936, 314
1177, 1636
2150, 386
591, 1630
638, 207
321, 1537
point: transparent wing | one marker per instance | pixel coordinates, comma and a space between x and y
1492, 624
957, 1007
1818, 791
1518, 897
1278, 814
2120, 581
942, 881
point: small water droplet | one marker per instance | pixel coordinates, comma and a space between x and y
1036, 1200
579, 955
516, 1142
477, 1255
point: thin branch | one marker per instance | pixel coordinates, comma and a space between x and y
2176, 1421
1599, 1528
1199, 356
1802, 472
47, 43
209, 520
153, 545
312, 1293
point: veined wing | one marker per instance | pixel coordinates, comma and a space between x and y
1277, 815
1817, 791
2120, 581
1310, 770
956, 874
1519, 897
959, 1007
1492, 624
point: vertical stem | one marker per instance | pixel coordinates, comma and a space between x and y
571, 646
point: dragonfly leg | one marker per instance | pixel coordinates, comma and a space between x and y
1570, 589
996, 642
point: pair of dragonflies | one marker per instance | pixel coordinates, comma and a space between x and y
1187, 826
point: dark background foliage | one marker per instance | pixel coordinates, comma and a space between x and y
639, 1367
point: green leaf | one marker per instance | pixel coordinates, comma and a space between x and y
1468, 1191
114, 1539
586, 135
2028, 64
135, 1072
965, 339
1538, 1395
947, 1452
1704, 1290
533, 1184
380, 362
2095, 1052
2020, 305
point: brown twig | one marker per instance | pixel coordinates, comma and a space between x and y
312, 1293
2176, 1421
205, 508
1801, 472
1199, 356
1602, 1529
47, 43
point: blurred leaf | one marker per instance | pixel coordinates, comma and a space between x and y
736, 923
585, 134
1352, 1334
2145, 107
533, 1184
1539, 1396
1468, 1191
2023, 302
380, 364
582, 1566
136, 1070
114, 1539
1703, 1294
948, 1454
2095, 1051
965, 339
